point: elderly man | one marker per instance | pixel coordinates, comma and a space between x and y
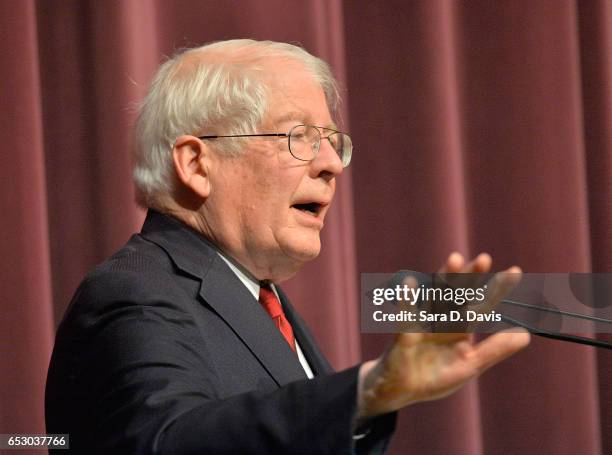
165, 348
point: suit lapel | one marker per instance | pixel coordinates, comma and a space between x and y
224, 293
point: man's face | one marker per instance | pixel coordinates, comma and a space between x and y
266, 208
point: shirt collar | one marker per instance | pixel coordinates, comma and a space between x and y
244, 276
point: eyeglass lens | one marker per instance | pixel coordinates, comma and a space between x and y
305, 141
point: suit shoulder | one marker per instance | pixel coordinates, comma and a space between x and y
138, 255
128, 270
137, 276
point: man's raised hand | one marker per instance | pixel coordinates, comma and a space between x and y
427, 366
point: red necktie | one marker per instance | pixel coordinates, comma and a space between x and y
268, 300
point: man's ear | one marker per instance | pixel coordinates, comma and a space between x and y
191, 158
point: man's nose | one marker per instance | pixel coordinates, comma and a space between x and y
327, 162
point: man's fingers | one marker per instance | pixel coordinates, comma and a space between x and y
454, 263
497, 347
499, 287
456, 272
480, 264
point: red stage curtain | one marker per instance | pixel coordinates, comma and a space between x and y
479, 126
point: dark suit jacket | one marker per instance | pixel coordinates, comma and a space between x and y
164, 350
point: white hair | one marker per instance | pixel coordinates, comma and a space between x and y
214, 89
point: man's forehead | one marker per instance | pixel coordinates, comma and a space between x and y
297, 97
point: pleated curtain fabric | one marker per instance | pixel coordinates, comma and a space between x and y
478, 126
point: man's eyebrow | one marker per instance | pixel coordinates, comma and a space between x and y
292, 115
304, 118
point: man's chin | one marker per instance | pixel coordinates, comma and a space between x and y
292, 260
304, 249
307, 253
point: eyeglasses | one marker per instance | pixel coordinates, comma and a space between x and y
304, 142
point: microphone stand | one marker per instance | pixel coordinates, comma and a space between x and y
556, 335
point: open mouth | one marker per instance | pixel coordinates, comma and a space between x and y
312, 208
